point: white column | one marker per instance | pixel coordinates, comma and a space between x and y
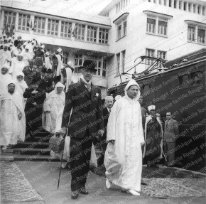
32, 23
46, 26
172, 3
2, 19
85, 33
97, 35
17, 21
196, 31
73, 27
59, 28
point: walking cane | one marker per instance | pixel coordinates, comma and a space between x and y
60, 170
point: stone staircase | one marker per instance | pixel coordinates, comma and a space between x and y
33, 149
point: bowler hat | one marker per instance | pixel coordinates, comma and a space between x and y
89, 65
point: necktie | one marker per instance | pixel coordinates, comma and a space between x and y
88, 86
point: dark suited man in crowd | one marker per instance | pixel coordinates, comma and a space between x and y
85, 123
106, 111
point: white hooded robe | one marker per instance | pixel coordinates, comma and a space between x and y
123, 160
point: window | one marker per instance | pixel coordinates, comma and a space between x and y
199, 9
39, 25
189, 7
78, 61
161, 54
66, 29
197, 33
123, 60
162, 27
201, 35
103, 35
118, 63
180, 5
151, 25
157, 25
24, 21
104, 69
170, 3
99, 68
194, 8
175, 4
191, 33
203, 10
79, 31
124, 28
53, 27
121, 29
9, 18
185, 6
150, 53
65, 57
91, 34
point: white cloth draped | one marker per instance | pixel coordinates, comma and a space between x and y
123, 160
4, 79
53, 110
48, 64
12, 128
60, 65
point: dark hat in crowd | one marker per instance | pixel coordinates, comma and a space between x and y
43, 70
35, 80
89, 65
49, 71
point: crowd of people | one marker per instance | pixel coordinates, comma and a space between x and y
33, 82
37, 94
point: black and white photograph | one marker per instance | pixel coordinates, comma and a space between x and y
103, 101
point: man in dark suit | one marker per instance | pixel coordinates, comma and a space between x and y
85, 123
106, 111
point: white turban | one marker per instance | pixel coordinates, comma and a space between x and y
59, 84
132, 82
151, 107
117, 97
108, 98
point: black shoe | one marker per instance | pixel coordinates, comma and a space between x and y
83, 191
74, 195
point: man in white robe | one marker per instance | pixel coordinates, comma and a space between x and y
123, 156
12, 117
53, 109
4, 78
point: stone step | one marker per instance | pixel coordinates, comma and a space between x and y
31, 151
38, 139
39, 145
47, 158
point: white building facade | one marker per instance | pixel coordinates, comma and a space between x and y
117, 37
164, 29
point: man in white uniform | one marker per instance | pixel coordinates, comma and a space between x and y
123, 156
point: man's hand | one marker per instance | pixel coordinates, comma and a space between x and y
64, 130
34, 91
100, 132
111, 141
19, 116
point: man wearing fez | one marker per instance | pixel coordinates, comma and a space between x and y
85, 123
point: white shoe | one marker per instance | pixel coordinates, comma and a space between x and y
108, 184
133, 192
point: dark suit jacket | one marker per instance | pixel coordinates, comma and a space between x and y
106, 116
86, 110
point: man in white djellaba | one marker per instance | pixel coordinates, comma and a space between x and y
53, 109
123, 157
12, 117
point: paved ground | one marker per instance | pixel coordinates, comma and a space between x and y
43, 178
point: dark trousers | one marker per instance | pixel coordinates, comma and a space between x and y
80, 154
